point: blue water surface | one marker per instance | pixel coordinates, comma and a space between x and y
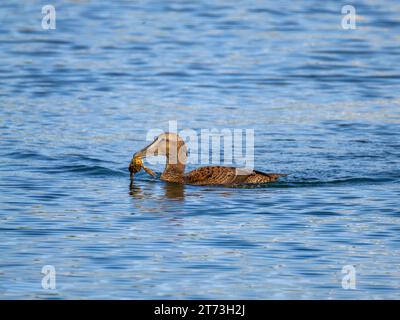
76, 102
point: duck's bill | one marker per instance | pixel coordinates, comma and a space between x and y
150, 151
137, 163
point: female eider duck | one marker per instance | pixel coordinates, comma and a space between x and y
174, 149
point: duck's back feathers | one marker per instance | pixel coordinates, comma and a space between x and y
228, 176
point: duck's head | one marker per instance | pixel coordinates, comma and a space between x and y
166, 144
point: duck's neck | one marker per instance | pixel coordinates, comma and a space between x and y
175, 167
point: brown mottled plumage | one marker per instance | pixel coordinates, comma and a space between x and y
174, 148
227, 175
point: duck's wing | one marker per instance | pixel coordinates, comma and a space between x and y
228, 176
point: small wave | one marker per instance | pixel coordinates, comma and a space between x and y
87, 170
306, 183
334, 182
28, 154
79, 157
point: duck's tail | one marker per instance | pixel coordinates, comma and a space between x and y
263, 177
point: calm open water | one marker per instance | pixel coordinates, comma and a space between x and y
77, 102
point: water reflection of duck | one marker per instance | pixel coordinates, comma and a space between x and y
171, 191
174, 191
173, 147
